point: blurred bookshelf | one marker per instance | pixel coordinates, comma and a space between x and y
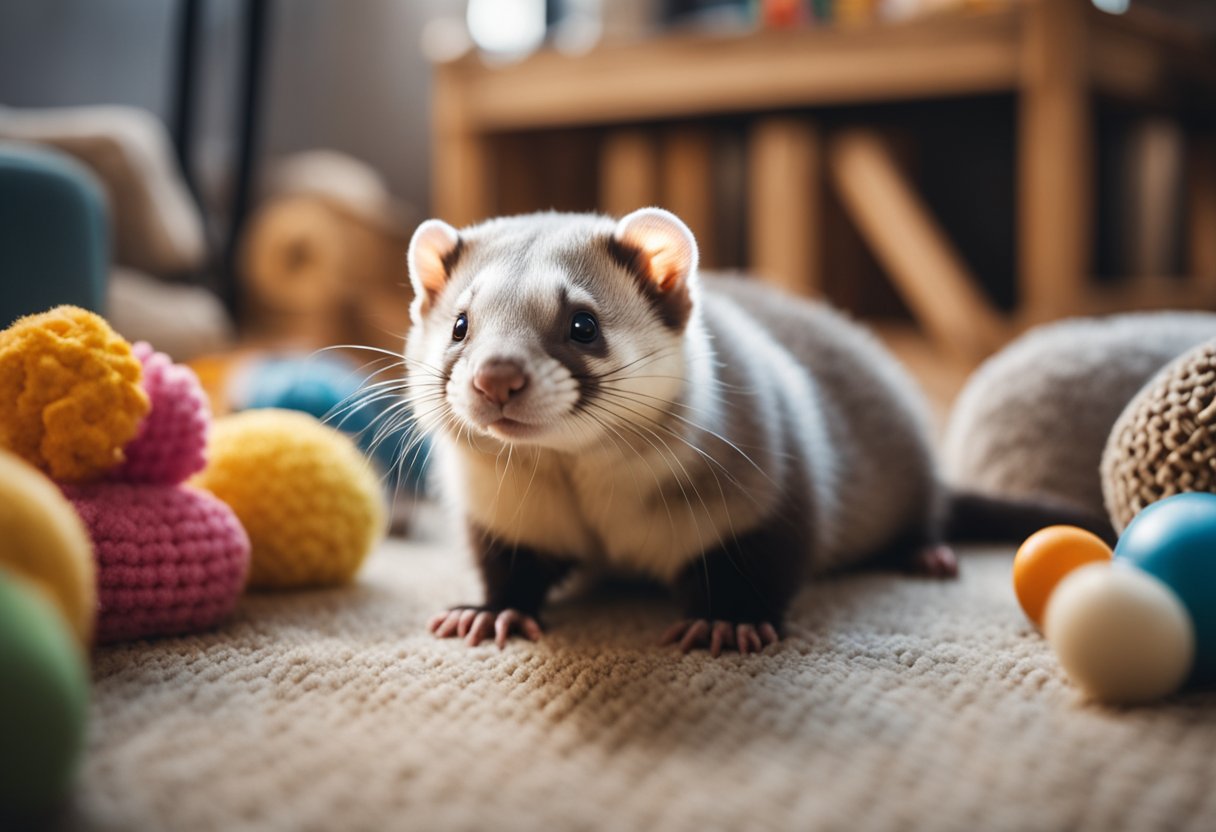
797, 152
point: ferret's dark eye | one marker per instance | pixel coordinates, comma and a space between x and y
461, 327
584, 328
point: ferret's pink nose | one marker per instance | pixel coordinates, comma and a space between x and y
498, 380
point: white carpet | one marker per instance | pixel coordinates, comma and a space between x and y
896, 703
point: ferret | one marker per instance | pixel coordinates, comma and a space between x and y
594, 401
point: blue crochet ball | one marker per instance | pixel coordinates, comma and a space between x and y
1175, 541
336, 392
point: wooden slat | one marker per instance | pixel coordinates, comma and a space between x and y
706, 74
629, 171
462, 186
687, 187
1148, 292
1125, 65
1152, 208
519, 185
785, 171
916, 253
1151, 58
1201, 208
1055, 160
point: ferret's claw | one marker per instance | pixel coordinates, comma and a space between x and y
723, 634
531, 628
502, 626
482, 626
437, 620
747, 639
444, 624
768, 633
694, 635
514, 620
673, 633
716, 635
475, 625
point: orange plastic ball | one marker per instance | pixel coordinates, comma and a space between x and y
1045, 558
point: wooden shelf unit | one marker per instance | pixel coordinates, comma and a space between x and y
1052, 55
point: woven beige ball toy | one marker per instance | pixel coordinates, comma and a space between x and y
1164, 442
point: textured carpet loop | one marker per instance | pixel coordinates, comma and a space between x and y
897, 704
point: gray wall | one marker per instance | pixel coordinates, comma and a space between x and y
351, 76
62, 52
341, 74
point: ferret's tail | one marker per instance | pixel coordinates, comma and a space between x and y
977, 517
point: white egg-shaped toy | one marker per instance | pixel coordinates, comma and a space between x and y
1120, 634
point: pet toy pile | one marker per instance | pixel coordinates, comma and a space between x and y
117, 521
119, 429
1139, 623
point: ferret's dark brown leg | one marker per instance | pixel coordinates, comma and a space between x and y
933, 560
736, 595
922, 553
516, 580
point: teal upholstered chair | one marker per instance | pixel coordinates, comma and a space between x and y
53, 233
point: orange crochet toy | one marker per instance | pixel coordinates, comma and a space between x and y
70, 393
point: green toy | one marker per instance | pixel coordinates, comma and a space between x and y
43, 702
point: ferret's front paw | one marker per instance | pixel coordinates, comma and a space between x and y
474, 624
701, 632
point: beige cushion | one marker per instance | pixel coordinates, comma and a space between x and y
1033, 420
182, 321
156, 225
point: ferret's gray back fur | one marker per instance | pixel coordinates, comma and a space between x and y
869, 462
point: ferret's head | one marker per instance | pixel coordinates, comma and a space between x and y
549, 329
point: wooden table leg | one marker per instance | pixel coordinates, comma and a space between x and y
1055, 160
785, 204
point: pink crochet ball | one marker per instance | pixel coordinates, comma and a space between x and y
172, 439
170, 559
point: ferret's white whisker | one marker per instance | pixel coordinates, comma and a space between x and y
650, 468
666, 402
712, 433
713, 461
667, 458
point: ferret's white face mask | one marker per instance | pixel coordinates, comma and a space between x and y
561, 331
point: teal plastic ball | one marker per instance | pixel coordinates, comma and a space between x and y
44, 697
1175, 541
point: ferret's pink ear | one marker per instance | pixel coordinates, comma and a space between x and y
663, 249
433, 250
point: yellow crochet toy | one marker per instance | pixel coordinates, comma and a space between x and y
70, 393
43, 540
307, 497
